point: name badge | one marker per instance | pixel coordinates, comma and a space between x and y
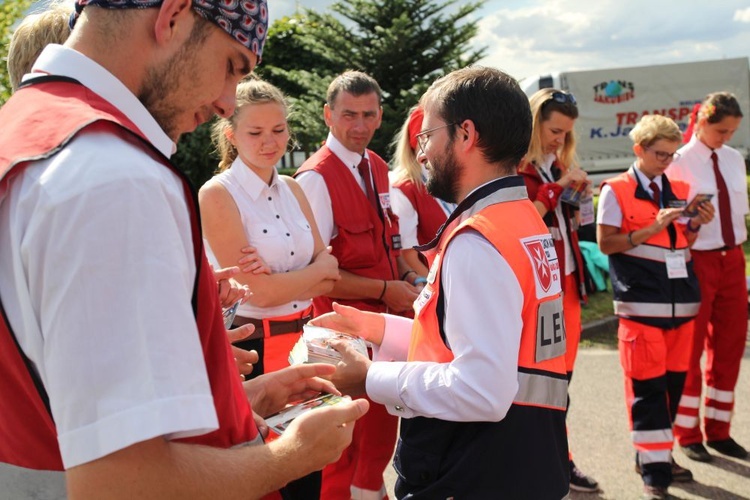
396, 241
676, 267
385, 201
424, 296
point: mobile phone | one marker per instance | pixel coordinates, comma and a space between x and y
229, 314
691, 210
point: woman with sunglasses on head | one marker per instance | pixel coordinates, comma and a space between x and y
646, 227
249, 203
709, 166
548, 169
420, 214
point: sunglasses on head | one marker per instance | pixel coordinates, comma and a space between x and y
562, 98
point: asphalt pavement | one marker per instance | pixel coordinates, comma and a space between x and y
600, 440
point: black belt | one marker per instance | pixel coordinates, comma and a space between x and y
722, 249
275, 327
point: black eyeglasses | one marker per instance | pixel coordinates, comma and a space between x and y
663, 155
562, 98
422, 137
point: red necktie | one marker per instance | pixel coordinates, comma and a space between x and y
657, 193
364, 171
725, 207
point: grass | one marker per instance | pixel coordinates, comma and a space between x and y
598, 307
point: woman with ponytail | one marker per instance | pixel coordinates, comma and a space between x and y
709, 166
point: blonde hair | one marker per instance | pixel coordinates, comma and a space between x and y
653, 128
404, 162
542, 105
34, 33
250, 91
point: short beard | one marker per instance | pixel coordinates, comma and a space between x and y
158, 90
444, 175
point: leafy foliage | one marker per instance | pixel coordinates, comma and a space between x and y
404, 44
10, 12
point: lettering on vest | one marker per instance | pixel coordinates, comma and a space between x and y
541, 252
550, 330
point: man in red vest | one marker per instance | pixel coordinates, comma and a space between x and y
479, 381
115, 363
347, 186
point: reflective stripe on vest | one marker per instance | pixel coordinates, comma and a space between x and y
541, 390
656, 310
650, 252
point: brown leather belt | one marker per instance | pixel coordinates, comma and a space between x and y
275, 327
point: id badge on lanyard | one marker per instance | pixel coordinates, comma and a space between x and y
676, 264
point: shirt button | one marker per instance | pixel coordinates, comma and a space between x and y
398, 408
265, 231
294, 306
269, 198
278, 217
292, 253
288, 234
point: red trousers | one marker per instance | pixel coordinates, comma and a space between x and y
720, 330
358, 473
654, 362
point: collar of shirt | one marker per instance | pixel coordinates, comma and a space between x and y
250, 181
545, 169
350, 158
696, 148
479, 198
645, 182
64, 61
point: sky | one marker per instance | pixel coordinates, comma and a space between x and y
535, 37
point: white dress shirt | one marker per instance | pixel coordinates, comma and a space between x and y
483, 328
316, 190
98, 270
695, 167
275, 225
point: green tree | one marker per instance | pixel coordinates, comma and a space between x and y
10, 12
302, 69
404, 44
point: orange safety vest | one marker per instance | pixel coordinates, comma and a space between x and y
525, 454
641, 287
59, 109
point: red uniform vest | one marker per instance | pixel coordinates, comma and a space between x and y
524, 455
642, 290
429, 213
364, 245
533, 180
58, 111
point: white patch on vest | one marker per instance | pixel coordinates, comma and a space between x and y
385, 200
543, 257
550, 330
433, 270
423, 297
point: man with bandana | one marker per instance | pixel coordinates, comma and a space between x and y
115, 363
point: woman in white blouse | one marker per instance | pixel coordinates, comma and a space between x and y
249, 203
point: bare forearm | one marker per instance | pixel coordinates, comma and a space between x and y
162, 469
322, 288
280, 288
352, 286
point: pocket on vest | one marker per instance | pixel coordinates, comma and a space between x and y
355, 245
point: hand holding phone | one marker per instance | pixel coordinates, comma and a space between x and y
691, 210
